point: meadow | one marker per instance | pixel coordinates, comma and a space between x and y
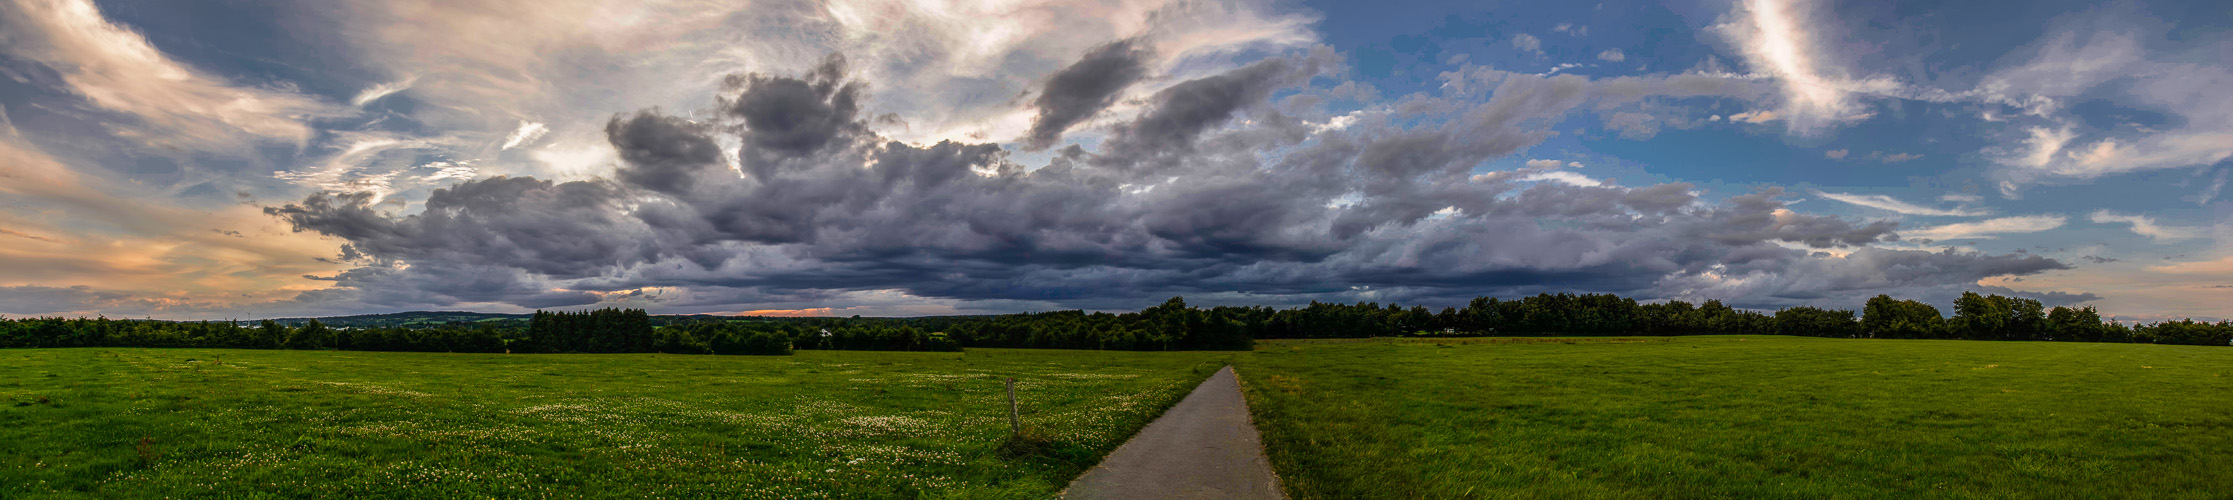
204, 423
1742, 417
1595, 417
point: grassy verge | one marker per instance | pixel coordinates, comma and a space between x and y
1743, 417
198, 423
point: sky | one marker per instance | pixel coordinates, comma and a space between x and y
252, 158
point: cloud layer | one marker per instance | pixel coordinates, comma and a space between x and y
941, 157
1214, 187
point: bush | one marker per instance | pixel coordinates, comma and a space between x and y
1816, 322
767, 344
676, 340
940, 342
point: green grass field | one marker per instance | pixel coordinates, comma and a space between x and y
1680, 417
189, 423
1743, 417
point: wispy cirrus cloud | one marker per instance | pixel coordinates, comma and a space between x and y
2146, 226
1894, 205
33, 237
1564, 177
1989, 228
378, 91
116, 69
1527, 43
2108, 65
527, 133
1778, 39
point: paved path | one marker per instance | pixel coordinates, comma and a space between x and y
1203, 448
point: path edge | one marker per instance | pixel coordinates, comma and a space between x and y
1263, 446
1280, 485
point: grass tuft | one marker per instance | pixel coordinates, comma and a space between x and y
1031, 443
146, 450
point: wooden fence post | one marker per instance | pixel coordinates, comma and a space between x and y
1015, 425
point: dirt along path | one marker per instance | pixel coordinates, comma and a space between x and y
1205, 447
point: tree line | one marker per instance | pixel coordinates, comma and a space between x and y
596, 331
1172, 325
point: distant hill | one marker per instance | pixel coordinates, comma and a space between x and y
410, 319
425, 319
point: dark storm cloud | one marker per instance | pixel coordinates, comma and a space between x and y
1759, 217
793, 117
568, 230
1660, 199
1183, 199
1084, 89
661, 153
1873, 268
1184, 111
436, 284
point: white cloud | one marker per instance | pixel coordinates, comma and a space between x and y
1337, 123
1528, 43
2146, 226
445, 170
7, 126
1989, 228
1560, 67
1888, 203
2061, 69
116, 69
1961, 198
1777, 39
1540, 170
1836, 154
2069, 66
2041, 147
2210, 193
527, 133
350, 168
1760, 116
1612, 55
1564, 177
376, 92
575, 163
571, 64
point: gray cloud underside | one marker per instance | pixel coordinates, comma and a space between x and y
1216, 188
1084, 89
